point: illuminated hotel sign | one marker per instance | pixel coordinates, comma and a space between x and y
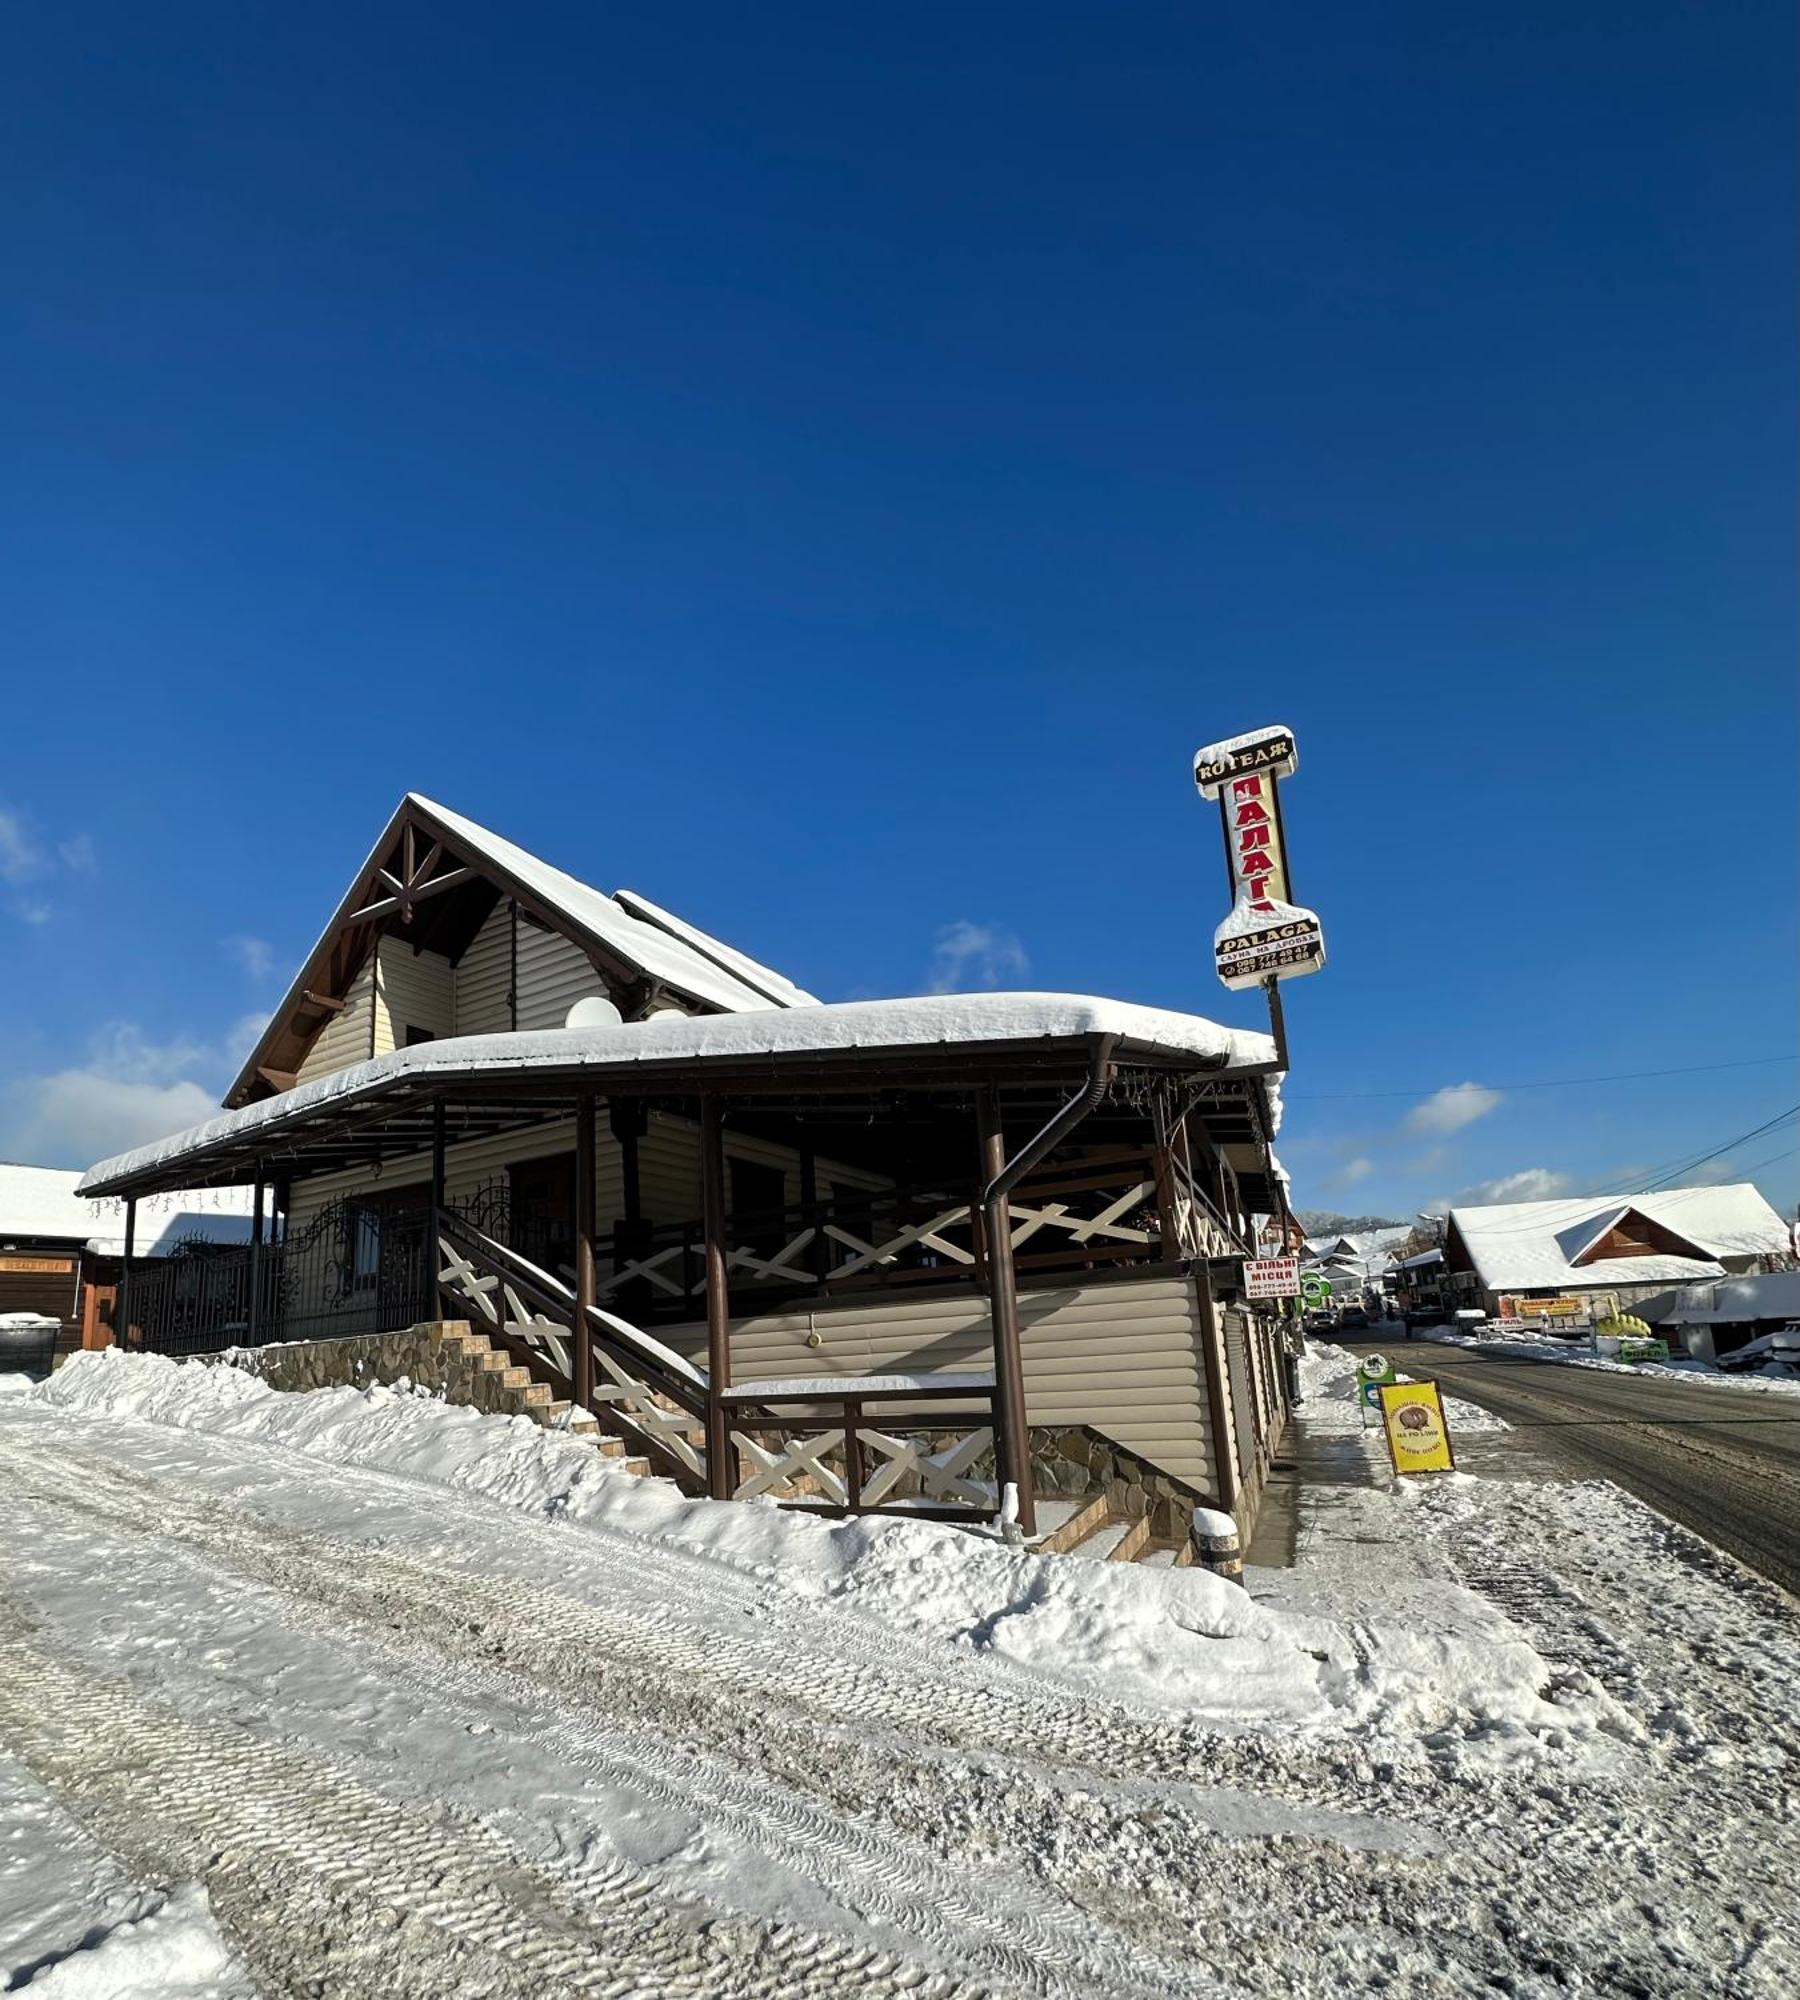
1266, 935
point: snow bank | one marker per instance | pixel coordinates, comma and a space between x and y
176, 1953
1773, 1377
1180, 1640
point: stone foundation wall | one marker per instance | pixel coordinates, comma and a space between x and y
1078, 1462
441, 1356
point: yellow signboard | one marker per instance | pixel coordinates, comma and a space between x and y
1418, 1434
46, 1265
1543, 1308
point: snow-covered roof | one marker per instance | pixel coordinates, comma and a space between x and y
42, 1202
662, 945
626, 928
946, 1020
1731, 1301
1531, 1245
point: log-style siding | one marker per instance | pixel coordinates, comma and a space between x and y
413, 990
483, 984
1121, 1356
553, 975
347, 1036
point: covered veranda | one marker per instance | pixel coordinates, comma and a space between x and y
1019, 1141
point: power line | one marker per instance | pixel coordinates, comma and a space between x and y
1731, 1146
1655, 1177
1756, 1166
1543, 1083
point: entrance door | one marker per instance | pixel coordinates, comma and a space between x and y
541, 1213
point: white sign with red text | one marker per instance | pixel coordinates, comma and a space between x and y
1266, 935
1271, 1277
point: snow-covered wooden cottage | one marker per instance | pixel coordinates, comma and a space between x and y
893, 1252
1632, 1249
60, 1252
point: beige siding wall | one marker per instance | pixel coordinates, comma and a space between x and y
345, 1038
483, 983
553, 975
413, 990
1123, 1357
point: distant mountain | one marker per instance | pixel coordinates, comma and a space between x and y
1321, 1222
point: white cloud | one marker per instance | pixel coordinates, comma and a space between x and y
1453, 1107
78, 1116
1529, 1184
20, 856
256, 955
1351, 1172
128, 1091
972, 957
24, 858
243, 1035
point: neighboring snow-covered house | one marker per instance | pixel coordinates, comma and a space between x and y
60, 1250
1718, 1318
1635, 1246
1353, 1264
494, 1092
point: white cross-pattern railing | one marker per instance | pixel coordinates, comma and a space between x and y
650, 1394
1202, 1232
808, 1444
812, 1467
1096, 1218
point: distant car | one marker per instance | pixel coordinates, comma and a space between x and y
1352, 1316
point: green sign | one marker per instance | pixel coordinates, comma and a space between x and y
1643, 1350
1372, 1376
1314, 1289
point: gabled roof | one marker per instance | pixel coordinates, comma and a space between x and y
445, 869
41, 1202
1534, 1245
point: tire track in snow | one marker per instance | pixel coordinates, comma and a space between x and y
454, 1631
258, 1824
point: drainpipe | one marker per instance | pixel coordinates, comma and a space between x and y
1009, 1368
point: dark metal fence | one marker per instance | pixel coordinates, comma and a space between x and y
355, 1269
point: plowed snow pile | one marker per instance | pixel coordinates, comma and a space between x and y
362, 1694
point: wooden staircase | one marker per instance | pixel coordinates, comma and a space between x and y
1093, 1530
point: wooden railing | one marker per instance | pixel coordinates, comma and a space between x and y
805, 1443
1078, 1216
651, 1396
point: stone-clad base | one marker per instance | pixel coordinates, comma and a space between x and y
443, 1357
1076, 1462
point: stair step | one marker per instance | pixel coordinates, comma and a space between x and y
556, 1417
1134, 1541
1088, 1515
1099, 1544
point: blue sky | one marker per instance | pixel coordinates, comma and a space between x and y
827, 468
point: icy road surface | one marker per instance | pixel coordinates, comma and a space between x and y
286, 1700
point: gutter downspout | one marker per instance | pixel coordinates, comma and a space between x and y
1016, 1498
1085, 1100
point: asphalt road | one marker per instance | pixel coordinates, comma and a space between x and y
1722, 1461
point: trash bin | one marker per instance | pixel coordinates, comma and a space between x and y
27, 1343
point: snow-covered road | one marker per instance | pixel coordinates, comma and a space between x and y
420, 1703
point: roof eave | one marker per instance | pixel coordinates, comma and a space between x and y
231, 1159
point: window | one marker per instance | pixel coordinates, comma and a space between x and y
414, 1036
757, 1194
